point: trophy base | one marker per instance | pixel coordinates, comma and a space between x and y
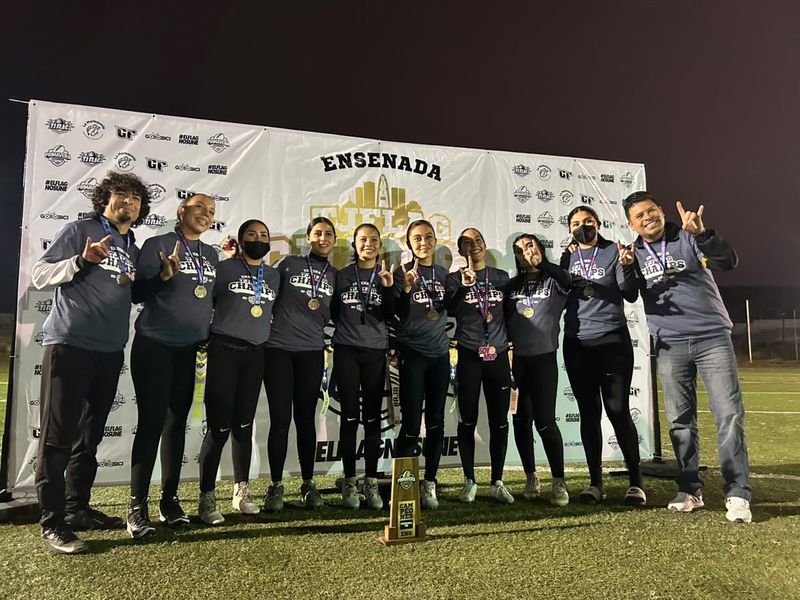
389, 536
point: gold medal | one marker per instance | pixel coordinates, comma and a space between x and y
433, 315
124, 279
489, 317
588, 292
492, 350
313, 304
528, 312
200, 291
256, 311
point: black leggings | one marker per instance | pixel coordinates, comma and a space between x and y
163, 377
292, 381
423, 381
600, 372
537, 382
360, 369
495, 376
233, 383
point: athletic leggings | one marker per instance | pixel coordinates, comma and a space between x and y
496, 380
537, 382
600, 372
423, 381
360, 369
163, 377
292, 381
235, 371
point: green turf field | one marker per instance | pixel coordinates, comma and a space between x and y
528, 549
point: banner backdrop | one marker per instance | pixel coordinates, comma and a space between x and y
285, 178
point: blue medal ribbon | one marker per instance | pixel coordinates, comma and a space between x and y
198, 263
124, 265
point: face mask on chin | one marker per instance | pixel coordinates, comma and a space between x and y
255, 249
585, 234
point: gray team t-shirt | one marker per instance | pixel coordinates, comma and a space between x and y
235, 297
465, 306
350, 331
415, 330
92, 311
175, 316
295, 327
538, 334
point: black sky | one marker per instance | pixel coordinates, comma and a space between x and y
705, 94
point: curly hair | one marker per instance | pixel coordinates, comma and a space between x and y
121, 182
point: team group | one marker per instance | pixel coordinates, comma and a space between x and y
265, 325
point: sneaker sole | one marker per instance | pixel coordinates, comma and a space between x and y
634, 501
140, 533
739, 519
560, 503
55, 549
250, 511
179, 522
680, 509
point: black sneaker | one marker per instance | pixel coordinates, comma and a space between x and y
90, 518
171, 513
139, 521
61, 539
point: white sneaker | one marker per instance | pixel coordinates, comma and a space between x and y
738, 510
467, 493
350, 497
243, 499
559, 496
372, 493
684, 502
532, 488
501, 493
207, 509
427, 492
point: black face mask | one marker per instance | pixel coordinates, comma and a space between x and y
255, 249
585, 234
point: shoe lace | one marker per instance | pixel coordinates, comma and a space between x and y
244, 492
208, 501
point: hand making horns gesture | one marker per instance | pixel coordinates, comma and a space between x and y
626, 255
691, 221
96, 252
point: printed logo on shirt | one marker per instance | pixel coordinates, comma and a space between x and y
123, 369
538, 292
112, 264
188, 267
94, 130
652, 269
595, 273
244, 286
351, 297
521, 170
495, 296
420, 296
303, 281
55, 185
58, 155
59, 125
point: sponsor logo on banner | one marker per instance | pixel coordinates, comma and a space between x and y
158, 137
573, 444
45, 243
57, 155
184, 194
119, 400
218, 142
635, 343
636, 414
55, 185
521, 170
568, 394
94, 130
106, 463
523, 218
37, 370
522, 194
86, 187
123, 369
564, 220
91, 158
156, 164
191, 140
566, 197
564, 243
218, 198
217, 169
546, 243
572, 417
125, 133
157, 192
587, 199
606, 178
154, 221
544, 172
381, 160
635, 391
544, 195
39, 338
564, 174
185, 167
124, 161
218, 226
44, 306
627, 179
112, 431
584, 176
608, 224
85, 215
36, 432
59, 125
52, 216
612, 441
545, 219
632, 319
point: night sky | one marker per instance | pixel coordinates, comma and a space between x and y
705, 94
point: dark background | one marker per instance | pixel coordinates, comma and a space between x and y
705, 94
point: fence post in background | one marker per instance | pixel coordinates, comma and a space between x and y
749, 341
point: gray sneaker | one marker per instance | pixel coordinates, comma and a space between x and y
207, 509
350, 497
243, 499
685, 502
501, 493
467, 493
372, 493
62, 539
559, 495
273, 501
532, 488
309, 496
738, 510
427, 492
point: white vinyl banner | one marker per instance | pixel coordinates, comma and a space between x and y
285, 178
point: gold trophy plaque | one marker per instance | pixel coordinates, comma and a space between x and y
405, 520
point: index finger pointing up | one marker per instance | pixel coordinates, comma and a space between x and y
680, 208
700, 211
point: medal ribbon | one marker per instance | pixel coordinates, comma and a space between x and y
256, 280
662, 260
366, 298
198, 263
483, 303
123, 262
426, 288
316, 283
587, 272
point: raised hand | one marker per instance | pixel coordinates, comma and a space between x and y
626, 255
410, 277
691, 221
572, 247
170, 264
385, 275
96, 252
468, 276
230, 247
534, 258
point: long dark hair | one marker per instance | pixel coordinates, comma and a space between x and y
317, 221
521, 267
355, 234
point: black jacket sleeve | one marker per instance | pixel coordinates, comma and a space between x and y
630, 283
559, 273
388, 302
718, 252
143, 290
